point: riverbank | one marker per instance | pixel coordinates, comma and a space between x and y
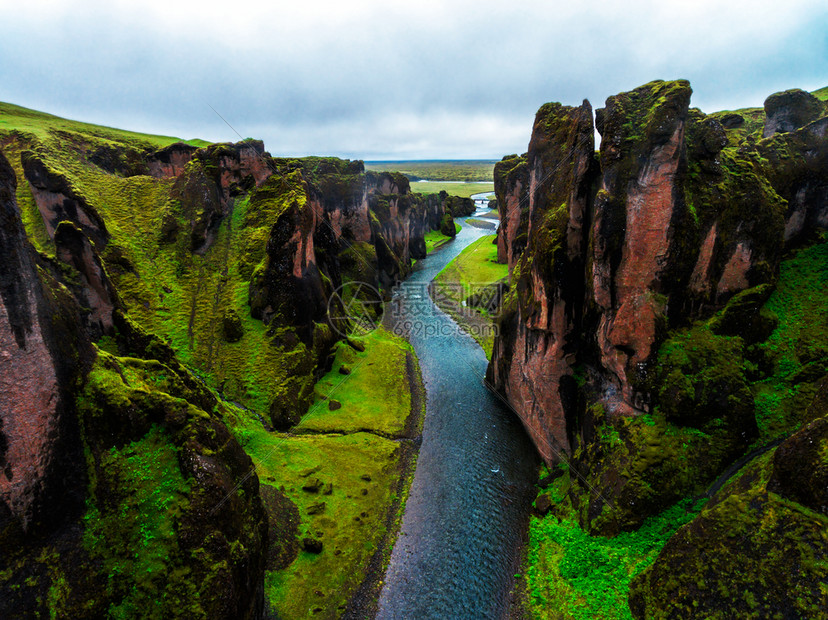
474, 272
343, 476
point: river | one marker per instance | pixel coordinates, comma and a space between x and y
459, 542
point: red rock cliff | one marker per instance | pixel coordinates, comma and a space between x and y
606, 256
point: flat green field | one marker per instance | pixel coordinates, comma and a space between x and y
353, 453
439, 170
464, 190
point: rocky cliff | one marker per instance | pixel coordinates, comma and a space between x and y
152, 291
665, 226
640, 341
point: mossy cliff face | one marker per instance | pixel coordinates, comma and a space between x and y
790, 110
690, 345
676, 218
42, 354
96, 449
149, 283
667, 226
511, 181
796, 162
427, 214
545, 303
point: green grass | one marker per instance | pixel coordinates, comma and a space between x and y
464, 190
438, 170
351, 524
435, 239
475, 267
821, 94
43, 125
375, 396
574, 575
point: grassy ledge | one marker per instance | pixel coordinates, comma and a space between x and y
435, 239
474, 269
362, 457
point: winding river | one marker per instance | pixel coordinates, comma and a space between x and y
459, 542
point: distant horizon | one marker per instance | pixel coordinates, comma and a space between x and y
439, 80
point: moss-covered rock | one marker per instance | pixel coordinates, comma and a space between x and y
750, 553
180, 258
447, 225
800, 467
511, 181
790, 110
149, 446
231, 326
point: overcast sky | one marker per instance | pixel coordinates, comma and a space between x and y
392, 80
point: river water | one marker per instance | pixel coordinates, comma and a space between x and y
458, 547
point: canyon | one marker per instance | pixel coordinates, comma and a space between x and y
171, 332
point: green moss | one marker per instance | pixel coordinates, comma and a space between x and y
798, 347
751, 124
134, 538
574, 575
700, 377
375, 395
749, 553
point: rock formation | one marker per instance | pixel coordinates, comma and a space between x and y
128, 267
545, 311
665, 329
665, 227
42, 352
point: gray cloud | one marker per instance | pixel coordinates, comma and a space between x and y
381, 80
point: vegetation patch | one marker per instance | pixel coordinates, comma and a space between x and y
572, 574
463, 190
370, 387
341, 467
446, 170
435, 239
797, 350
473, 270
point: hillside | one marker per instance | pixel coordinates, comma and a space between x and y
171, 313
